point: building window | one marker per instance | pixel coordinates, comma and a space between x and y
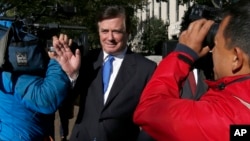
160, 10
153, 8
177, 10
147, 12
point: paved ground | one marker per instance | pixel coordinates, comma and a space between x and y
71, 124
155, 58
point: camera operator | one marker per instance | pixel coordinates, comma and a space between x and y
27, 100
165, 116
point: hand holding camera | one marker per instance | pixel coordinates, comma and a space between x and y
193, 18
194, 36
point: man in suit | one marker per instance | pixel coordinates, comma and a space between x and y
106, 115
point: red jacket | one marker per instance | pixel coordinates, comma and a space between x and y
166, 117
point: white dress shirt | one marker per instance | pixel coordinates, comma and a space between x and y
195, 71
116, 67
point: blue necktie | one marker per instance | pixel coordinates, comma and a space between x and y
106, 72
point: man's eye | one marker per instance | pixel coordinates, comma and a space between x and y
117, 32
104, 31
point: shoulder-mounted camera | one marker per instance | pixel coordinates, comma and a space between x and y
210, 13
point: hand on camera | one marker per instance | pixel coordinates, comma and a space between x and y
194, 36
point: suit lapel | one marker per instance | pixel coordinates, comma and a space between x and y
97, 84
126, 71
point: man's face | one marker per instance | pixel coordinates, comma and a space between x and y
113, 36
222, 55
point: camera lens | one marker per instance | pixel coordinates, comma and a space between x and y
209, 40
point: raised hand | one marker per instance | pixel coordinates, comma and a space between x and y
69, 62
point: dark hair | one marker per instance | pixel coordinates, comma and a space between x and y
237, 31
113, 11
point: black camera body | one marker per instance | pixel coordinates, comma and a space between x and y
210, 13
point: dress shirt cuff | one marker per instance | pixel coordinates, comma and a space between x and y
73, 80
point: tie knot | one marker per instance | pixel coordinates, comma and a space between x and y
110, 58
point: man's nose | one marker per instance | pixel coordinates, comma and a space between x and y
110, 36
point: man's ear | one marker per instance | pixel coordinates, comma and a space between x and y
238, 60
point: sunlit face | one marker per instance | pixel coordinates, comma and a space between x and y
113, 36
222, 56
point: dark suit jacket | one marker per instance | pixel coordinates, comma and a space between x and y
201, 88
112, 121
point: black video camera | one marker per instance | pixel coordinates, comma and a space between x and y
210, 13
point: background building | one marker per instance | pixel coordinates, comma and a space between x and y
170, 11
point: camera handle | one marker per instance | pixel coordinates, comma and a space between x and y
58, 26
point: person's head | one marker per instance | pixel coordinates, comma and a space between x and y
232, 47
113, 26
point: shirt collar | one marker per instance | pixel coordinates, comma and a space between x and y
119, 55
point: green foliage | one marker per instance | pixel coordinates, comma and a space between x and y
208, 2
154, 33
44, 11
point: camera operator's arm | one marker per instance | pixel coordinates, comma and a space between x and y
42, 94
195, 34
45, 94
